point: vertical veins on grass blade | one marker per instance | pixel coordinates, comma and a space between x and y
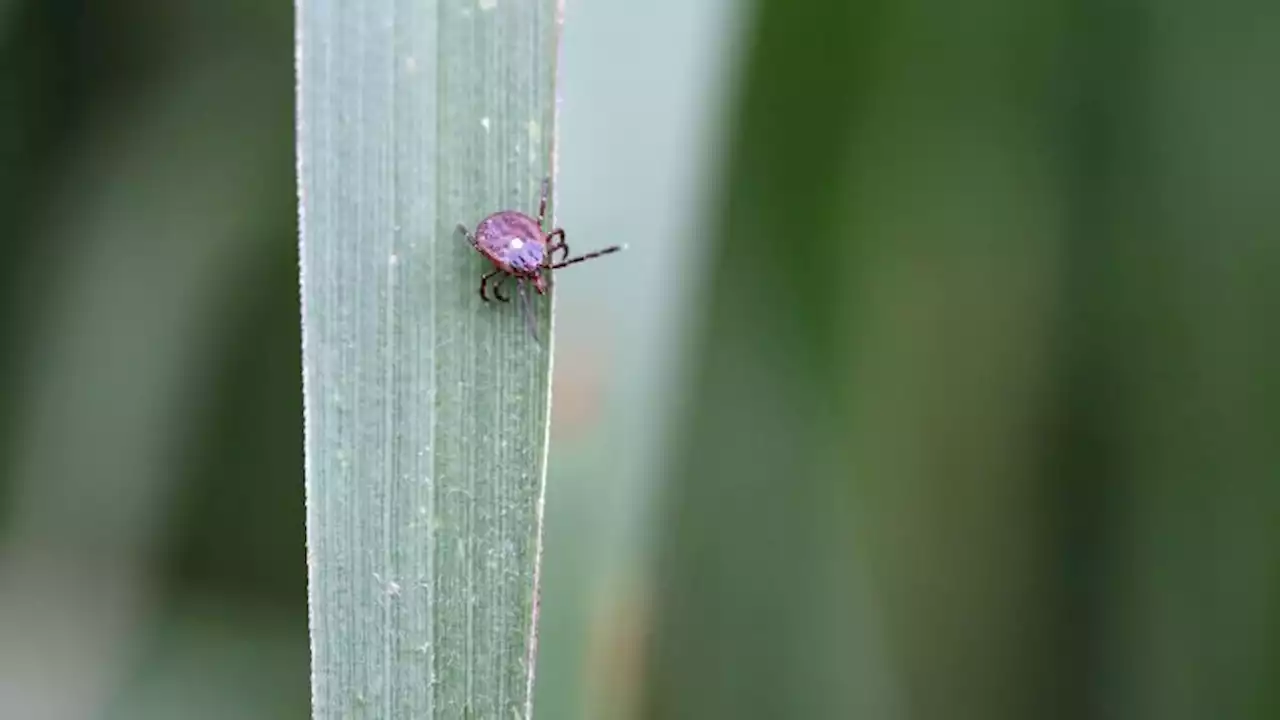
426, 411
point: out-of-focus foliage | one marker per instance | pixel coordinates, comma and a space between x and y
150, 497
984, 412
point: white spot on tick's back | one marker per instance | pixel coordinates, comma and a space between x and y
516, 243
488, 4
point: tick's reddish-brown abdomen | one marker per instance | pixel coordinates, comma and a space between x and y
512, 241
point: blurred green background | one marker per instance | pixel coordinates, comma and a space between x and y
941, 379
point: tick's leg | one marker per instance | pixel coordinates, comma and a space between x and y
484, 295
470, 238
588, 256
542, 205
554, 247
498, 285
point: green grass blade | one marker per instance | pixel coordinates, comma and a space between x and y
426, 409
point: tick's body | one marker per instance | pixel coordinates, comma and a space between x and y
515, 244
518, 247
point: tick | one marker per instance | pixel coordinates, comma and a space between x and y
520, 248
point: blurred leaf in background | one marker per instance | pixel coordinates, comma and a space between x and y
983, 412
151, 516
